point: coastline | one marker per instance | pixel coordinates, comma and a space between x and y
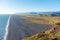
16, 28
6, 29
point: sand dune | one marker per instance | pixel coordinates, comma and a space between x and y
18, 29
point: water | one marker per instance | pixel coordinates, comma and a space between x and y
3, 22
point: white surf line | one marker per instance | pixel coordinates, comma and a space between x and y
6, 29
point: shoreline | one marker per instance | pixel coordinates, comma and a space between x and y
17, 28
6, 29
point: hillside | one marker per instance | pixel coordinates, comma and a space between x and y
23, 26
46, 13
52, 34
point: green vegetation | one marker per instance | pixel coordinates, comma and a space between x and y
58, 24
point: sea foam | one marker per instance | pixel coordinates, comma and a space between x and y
6, 29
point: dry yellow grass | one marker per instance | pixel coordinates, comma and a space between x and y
49, 20
47, 35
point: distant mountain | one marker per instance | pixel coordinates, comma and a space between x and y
55, 14
45, 13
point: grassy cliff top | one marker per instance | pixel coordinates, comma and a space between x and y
52, 34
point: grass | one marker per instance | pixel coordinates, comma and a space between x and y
49, 20
52, 34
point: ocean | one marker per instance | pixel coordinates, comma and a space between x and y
3, 23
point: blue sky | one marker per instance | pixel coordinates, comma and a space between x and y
11, 6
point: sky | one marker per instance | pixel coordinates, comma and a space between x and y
14, 6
